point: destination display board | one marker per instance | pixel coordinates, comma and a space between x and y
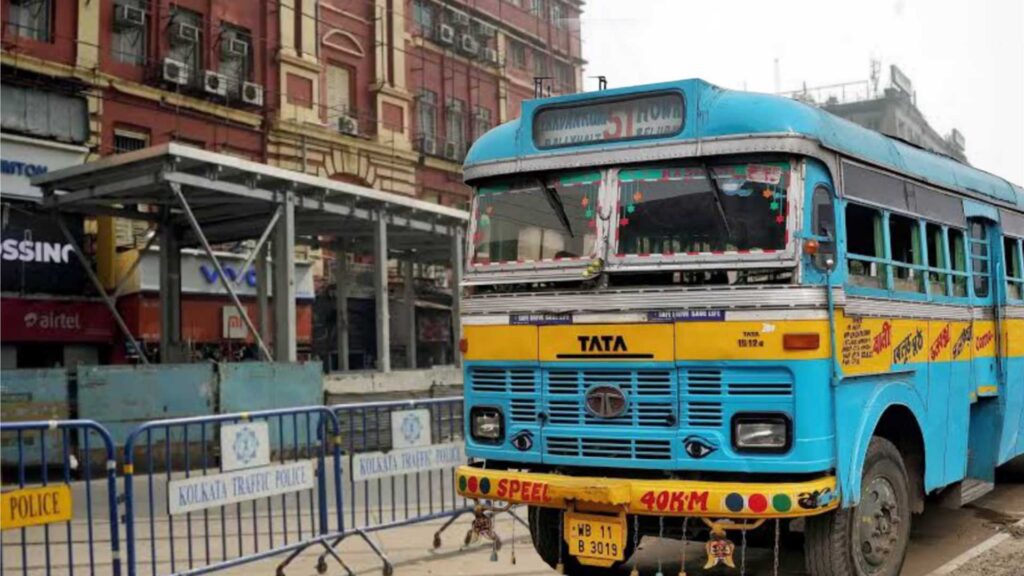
610, 120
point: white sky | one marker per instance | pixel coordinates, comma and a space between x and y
964, 57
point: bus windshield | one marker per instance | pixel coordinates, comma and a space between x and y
679, 210
536, 218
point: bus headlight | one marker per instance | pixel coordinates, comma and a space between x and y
761, 432
486, 424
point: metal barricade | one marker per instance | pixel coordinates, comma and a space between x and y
59, 507
400, 460
212, 492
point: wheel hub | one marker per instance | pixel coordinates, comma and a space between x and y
877, 528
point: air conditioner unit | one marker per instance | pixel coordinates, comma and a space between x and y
175, 72
489, 55
451, 150
446, 35
469, 44
183, 33
252, 93
233, 48
458, 18
129, 17
215, 83
348, 125
428, 145
485, 29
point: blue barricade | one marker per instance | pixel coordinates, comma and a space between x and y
59, 511
211, 492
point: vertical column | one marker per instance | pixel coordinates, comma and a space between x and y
380, 291
263, 292
457, 242
409, 299
284, 284
170, 294
342, 288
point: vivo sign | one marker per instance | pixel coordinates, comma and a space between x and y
210, 274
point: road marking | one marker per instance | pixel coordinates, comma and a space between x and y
955, 563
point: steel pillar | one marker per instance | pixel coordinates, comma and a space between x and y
284, 284
263, 292
342, 288
409, 299
380, 291
458, 239
170, 292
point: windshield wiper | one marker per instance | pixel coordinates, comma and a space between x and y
718, 198
556, 204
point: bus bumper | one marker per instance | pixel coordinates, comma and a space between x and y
652, 497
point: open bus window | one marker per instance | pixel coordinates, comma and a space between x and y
865, 244
958, 254
1012, 248
518, 220
676, 209
905, 239
936, 259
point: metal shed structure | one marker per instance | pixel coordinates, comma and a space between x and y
198, 198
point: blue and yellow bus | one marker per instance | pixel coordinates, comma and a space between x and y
695, 312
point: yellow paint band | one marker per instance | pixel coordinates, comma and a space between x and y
988, 390
653, 497
35, 506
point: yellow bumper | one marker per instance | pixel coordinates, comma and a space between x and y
653, 497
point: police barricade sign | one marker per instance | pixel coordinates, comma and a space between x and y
35, 506
371, 465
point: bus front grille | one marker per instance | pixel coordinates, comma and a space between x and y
619, 448
651, 396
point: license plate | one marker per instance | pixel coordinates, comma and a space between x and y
596, 539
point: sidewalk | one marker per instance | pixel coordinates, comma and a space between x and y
1005, 559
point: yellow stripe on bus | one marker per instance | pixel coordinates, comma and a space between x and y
500, 342
762, 340
35, 506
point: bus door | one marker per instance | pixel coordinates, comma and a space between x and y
985, 425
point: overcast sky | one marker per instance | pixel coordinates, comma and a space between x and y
964, 57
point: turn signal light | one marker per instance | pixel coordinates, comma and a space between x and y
463, 345
801, 341
811, 247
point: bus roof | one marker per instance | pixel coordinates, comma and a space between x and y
714, 112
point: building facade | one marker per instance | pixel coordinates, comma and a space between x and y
388, 94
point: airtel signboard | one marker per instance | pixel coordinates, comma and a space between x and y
34, 254
31, 320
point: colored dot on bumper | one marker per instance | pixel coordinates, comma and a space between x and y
782, 503
757, 502
485, 485
462, 483
734, 502
472, 484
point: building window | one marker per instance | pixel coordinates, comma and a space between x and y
557, 14
481, 122
565, 76
235, 56
540, 64
126, 140
31, 19
423, 15
426, 120
536, 7
517, 54
185, 47
339, 93
129, 37
455, 128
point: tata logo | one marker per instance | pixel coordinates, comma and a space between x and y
606, 401
602, 343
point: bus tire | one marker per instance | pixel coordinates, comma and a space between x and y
871, 538
547, 538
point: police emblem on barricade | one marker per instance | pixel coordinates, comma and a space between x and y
410, 428
244, 445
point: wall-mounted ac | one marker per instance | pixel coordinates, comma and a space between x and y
252, 93
458, 18
184, 34
428, 145
129, 17
452, 150
175, 72
348, 125
446, 35
489, 55
469, 44
215, 83
232, 48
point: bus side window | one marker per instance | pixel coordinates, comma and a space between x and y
905, 243
824, 215
937, 263
1013, 252
958, 256
865, 246
979, 259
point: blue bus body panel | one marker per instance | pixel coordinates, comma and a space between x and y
715, 112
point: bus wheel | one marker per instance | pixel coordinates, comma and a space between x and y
547, 538
871, 538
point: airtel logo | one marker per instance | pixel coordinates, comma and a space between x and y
53, 321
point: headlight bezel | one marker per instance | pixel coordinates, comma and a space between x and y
772, 418
485, 410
